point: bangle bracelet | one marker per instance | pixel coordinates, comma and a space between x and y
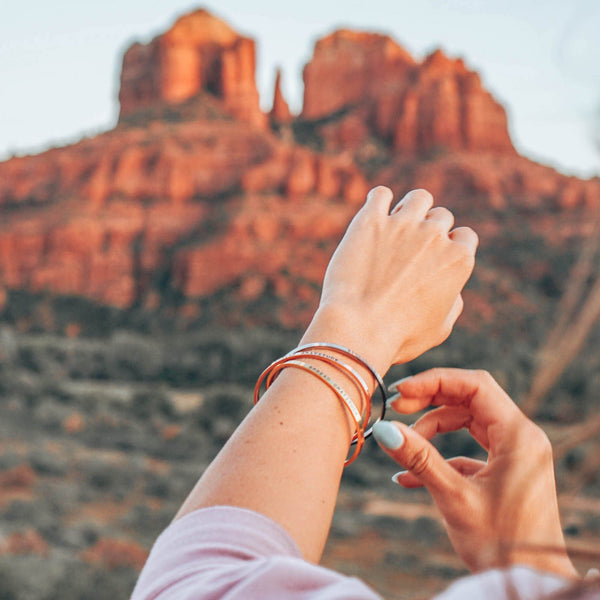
285, 362
350, 354
355, 377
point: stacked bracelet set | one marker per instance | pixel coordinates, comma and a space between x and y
318, 352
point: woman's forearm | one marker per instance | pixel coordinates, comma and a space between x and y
391, 291
286, 458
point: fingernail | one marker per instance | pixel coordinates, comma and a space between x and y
592, 574
388, 435
393, 387
388, 403
397, 475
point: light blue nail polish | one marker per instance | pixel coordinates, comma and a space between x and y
396, 476
388, 435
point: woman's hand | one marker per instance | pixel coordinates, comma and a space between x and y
497, 513
392, 290
394, 281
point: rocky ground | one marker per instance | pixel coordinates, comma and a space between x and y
102, 438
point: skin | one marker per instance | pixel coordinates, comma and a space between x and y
497, 513
391, 291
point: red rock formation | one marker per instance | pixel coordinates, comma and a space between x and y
199, 53
297, 172
197, 202
110, 207
418, 107
349, 66
280, 112
447, 106
265, 237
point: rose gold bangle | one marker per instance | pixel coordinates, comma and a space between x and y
351, 373
289, 361
312, 351
350, 354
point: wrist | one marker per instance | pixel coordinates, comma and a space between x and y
340, 325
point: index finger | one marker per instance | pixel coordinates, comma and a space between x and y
486, 401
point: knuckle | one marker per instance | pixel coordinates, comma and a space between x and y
465, 255
538, 441
484, 376
422, 193
435, 230
443, 212
377, 195
464, 498
437, 373
419, 461
380, 189
473, 234
445, 331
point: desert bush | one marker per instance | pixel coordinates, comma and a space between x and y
20, 511
82, 582
151, 403
9, 459
11, 584
134, 357
188, 445
224, 407
157, 486
50, 415
147, 523
89, 361
108, 478
48, 463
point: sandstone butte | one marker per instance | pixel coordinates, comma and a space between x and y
193, 194
199, 52
413, 106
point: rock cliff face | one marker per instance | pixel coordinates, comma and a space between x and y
101, 218
349, 67
438, 103
200, 53
191, 197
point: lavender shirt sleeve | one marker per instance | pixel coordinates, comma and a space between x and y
237, 554
226, 552
516, 583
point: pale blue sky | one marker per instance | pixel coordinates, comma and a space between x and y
60, 61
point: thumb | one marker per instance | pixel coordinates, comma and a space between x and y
418, 456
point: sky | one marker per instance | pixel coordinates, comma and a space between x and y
60, 61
